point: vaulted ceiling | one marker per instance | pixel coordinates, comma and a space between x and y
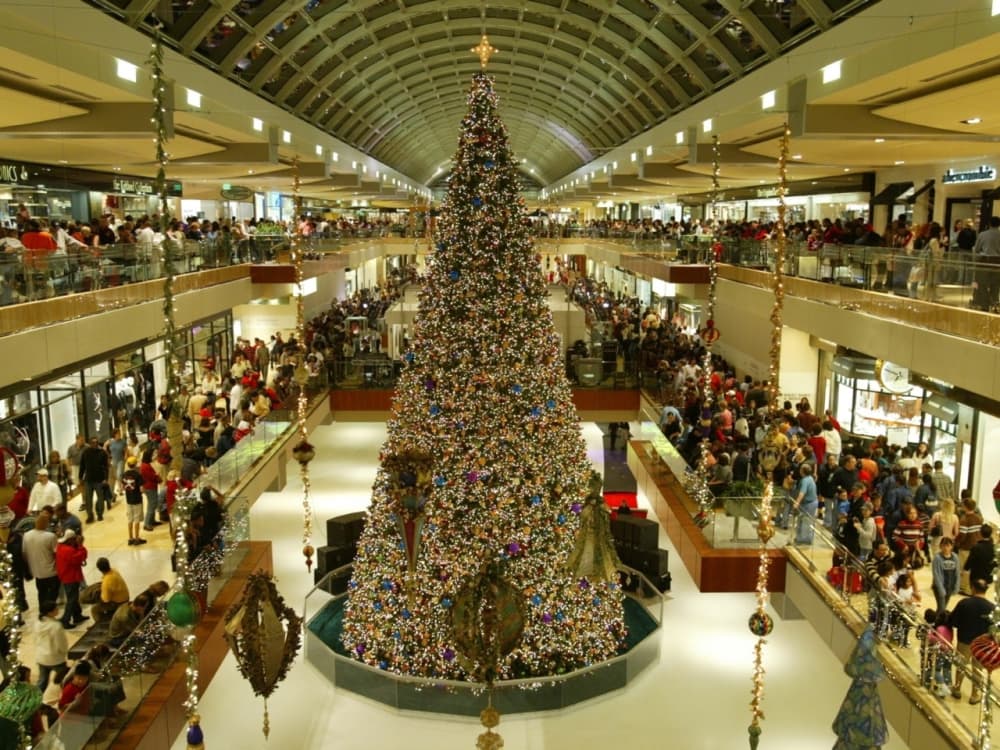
576, 78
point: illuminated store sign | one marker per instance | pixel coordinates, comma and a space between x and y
980, 174
132, 187
13, 173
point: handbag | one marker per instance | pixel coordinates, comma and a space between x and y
105, 696
91, 594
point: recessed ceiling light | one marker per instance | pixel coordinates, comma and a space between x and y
796, 156
847, 169
831, 72
973, 121
898, 162
126, 70
880, 140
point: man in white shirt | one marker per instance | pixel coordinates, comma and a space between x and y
39, 550
43, 493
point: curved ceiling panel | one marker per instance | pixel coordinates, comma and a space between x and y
575, 77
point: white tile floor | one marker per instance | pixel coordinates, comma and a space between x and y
696, 697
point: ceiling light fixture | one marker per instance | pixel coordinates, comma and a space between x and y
972, 121
679, 137
880, 140
126, 70
768, 100
286, 136
832, 71
706, 125
193, 99
797, 157
258, 124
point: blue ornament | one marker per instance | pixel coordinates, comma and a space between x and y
352, 584
383, 664
406, 614
551, 403
597, 601
536, 500
435, 410
516, 390
488, 164
401, 545
409, 356
195, 736
446, 602
560, 617
442, 246
535, 411
440, 481
536, 600
377, 606
561, 518
387, 584
477, 202
397, 635
454, 275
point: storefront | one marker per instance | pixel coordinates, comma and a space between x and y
120, 391
843, 197
44, 190
872, 397
61, 193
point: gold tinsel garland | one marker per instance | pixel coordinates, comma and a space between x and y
761, 623
303, 451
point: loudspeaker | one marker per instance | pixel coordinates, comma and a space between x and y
345, 530
329, 558
336, 584
652, 563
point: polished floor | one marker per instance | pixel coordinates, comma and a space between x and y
696, 697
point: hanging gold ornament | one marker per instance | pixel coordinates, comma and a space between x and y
264, 635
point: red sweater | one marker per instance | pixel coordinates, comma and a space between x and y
150, 479
70, 560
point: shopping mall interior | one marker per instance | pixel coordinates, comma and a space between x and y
658, 144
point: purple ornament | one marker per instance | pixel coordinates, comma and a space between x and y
513, 548
546, 618
448, 654
471, 477
576, 508
429, 384
584, 584
359, 649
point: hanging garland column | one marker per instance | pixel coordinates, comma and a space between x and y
709, 335
761, 624
303, 451
183, 609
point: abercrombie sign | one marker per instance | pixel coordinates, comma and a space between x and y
11, 174
982, 174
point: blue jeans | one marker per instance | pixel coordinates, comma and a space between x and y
152, 503
807, 515
72, 612
45, 672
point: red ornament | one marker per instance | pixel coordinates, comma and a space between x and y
986, 651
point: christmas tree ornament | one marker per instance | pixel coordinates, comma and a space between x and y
183, 609
594, 553
264, 635
195, 737
860, 723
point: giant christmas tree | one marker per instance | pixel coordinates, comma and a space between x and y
484, 472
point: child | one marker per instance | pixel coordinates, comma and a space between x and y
867, 531
52, 646
74, 693
878, 514
940, 640
907, 598
944, 573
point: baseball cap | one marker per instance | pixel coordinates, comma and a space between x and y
42, 472
67, 535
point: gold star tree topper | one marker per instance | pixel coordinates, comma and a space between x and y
484, 50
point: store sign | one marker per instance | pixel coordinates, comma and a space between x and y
981, 174
13, 173
236, 192
123, 186
769, 192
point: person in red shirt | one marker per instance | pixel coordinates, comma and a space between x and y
19, 504
71, 556
817, 442
75, 694
39, 245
